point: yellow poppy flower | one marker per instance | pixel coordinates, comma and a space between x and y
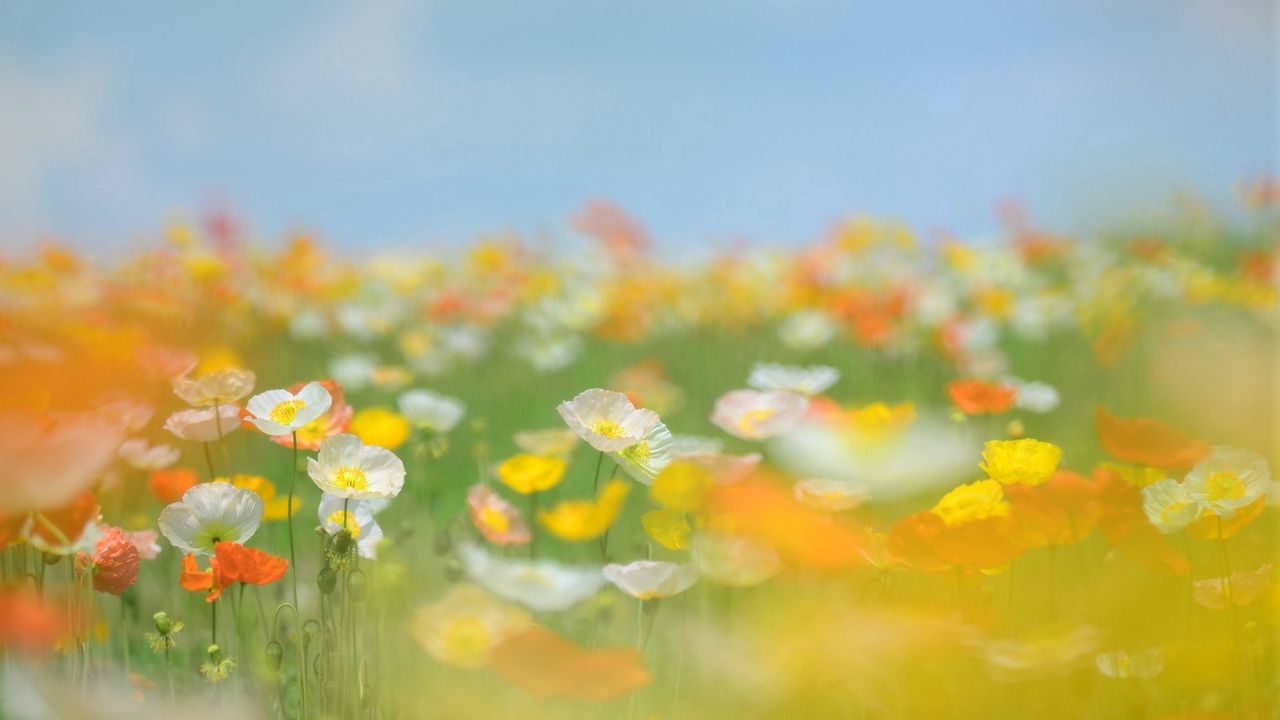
586, 519
380, 426
526, 473
976, 501
669, 528
1025, 461
681, 486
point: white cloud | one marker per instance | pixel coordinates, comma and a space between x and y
359, 52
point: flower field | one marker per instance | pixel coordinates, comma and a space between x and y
882, 475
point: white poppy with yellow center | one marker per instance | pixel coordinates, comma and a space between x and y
651, 579
810, 381
1227, 479
1170, 505
347, 468
280, 412
645, 459
357, 517
754, 415
607, 420
831, 495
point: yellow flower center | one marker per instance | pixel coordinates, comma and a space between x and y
495, 519
350, 477
1166, 515
752, 418
638, 453
1224, 485
284, 413
467, 640
607, 428
347, 520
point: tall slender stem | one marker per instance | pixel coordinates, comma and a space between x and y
293, 558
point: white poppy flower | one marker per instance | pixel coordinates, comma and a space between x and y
358, 520
145, 457
348, 468
543, 586
217, 388
280, 412
648, 579
807, 330
645, 459
1036, 397
210, 513
204, 424
432, 411
1170, 506
353, 371
812, 380
607, 420
754, 415
831, 495
1227, 479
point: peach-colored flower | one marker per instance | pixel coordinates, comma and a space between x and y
495, 518
114, 564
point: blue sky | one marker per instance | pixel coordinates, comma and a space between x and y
383, 124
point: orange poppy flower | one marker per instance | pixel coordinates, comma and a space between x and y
60, 528
1063, 510
768, 511
1124, 524
231, 563
549, 665
169, 485
252, 566
27, 623
1147, 441
925, 542
980, 397
194, 579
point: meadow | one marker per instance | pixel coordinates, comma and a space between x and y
882, 475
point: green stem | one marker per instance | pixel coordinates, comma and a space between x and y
208, 459
293, 559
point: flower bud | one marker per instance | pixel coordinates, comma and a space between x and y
342, 542
275, 655
327, 580
357, 585
163, 624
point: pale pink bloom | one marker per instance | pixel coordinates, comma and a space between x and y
495, 518
50, 458
147, 542
755, 415
199, 425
